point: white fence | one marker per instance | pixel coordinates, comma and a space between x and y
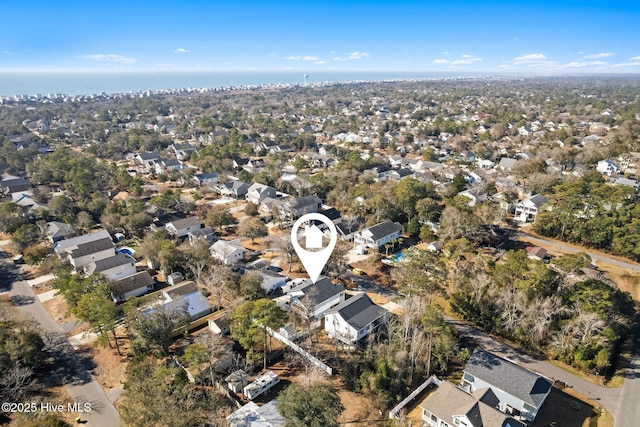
300, 350
431, 380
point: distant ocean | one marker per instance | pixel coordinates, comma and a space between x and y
87, 83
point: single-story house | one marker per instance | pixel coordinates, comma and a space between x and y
182, 227
272, 280
536, 252
227, 251
114, 268
187, 294
57, 231
131, 286
206, 178
354, 319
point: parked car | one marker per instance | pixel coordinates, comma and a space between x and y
18, 259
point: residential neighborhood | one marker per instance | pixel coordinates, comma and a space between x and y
159, 241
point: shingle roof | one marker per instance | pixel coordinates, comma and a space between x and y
522, 383
182, 289
85, 238
130, 283
190, 221
316, 293
304, 201
359, 311
92, 247
449, 401
109, 263
383, 229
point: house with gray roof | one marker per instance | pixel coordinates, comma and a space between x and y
518, 391
354, 319
528, 209
257, 192
206, 178
85, 249
450, 405
114, 268
182, 227
376, 236
313, 300
131, 286
301, 206
237, 189
56, 231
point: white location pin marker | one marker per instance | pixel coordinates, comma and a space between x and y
314, 261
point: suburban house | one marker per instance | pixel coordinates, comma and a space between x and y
313, 300
85, 249
181, 227
227, 251
56, 231
528, 209
475, 195
400, 174
206, 178
166, 165
186, 294
536, 252
221, 324
131, 286
252, 415
608, 167
450, 406
205, 233
182, 151
506, 164
12, 184
256, 193
517, 391
376, 236
272, 280
354, 319
114, 268
148, 159
237, 189
301, 206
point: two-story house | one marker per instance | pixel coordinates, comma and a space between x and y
376, 236
354, 319
256, 193
182, 227
528, 209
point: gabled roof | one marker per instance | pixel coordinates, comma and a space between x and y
181, 289
538, 200
316, 293
206, 176
58, 229
131, 283
519, 382
189, 221
449, 401
359, 311
383, 229
109, 263
92, 247
148, 156
72, 243
331, 213
304, 201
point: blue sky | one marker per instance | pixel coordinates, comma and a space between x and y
499, 36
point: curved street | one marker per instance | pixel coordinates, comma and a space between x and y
69, 368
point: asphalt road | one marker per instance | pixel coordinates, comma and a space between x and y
607, 397
70, 368
628, 410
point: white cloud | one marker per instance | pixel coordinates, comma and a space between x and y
101, 57
582, 64
181, 50
440, 61
302, 58
599, 55
319, 62
530, 59
628, 64
466, 60
352, 56
635, 58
